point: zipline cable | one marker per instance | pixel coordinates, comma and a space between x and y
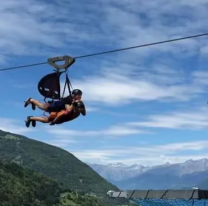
23, 66
144, 45
111, 51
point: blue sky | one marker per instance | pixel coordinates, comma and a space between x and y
145, 106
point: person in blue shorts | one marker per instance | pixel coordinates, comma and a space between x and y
55, 106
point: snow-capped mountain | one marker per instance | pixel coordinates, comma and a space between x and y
191, 166
192, 173
118, 171
179, 169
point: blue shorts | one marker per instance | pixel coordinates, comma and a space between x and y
56, 106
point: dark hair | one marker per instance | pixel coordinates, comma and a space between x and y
77, 91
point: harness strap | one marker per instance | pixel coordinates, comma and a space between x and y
68, 84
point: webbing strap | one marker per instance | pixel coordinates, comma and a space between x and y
68, 84
64, 90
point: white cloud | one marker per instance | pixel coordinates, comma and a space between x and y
91, 109
24, 86
162, 21
122, 131
13, 126
117, 89
200, 77
113, 131
32, 26
36, 31
60, 142
63, 137
146, 155
176, 120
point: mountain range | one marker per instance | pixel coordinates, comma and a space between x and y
192, 173
118, 171
72, 173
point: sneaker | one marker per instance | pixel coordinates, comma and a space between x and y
33, 106
33, 123
28, 121
27, 102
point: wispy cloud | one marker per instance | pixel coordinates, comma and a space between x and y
113, 131
200, 77
35, 31
24, 86
32, 26
144, 154
91, 109
27, 26
153, 73
176, 120
63, 137
163, 21
14, 126
60, 142
117, 89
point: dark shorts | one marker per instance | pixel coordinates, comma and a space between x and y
55, 106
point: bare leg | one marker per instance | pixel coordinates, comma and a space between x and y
38, 104
27, 102
35, 103
40, 119
34, 119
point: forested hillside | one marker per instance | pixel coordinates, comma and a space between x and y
52, 162
23, 187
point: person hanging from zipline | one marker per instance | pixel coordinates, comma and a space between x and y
61, 109
70, 113
55, 106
